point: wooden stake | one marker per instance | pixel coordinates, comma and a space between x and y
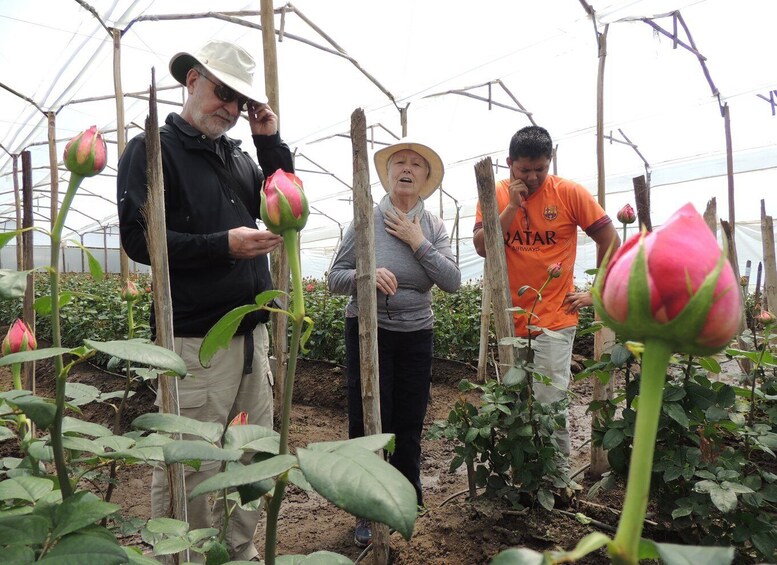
770, 265
19, 225
156, 238
642, 199
53, 168
496, 266
28, 261
711, 216
279, 264
485, 325
605, 338
367, 303
744, 363
121, 133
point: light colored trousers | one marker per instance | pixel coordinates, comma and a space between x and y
218, 394
552, 358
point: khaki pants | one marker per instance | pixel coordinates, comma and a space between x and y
552, 358
217, 394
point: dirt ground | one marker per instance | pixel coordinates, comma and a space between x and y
454, 531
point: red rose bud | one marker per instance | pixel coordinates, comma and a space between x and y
626, 215
130, 292
86, 154
672, 284
284, 205
766, 317
554, 271
239, 420
310, 288
19, 338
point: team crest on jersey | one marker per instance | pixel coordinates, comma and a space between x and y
550, 213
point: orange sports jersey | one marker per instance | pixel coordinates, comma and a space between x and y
544, 233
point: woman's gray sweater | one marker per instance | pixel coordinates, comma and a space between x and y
410, 308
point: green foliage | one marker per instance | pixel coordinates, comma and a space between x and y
93, 310
456, 326
507, 441
714, 468
327, 340
457, 323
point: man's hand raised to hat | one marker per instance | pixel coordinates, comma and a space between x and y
262, 119
247, 243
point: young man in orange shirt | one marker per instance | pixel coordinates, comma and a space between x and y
539, 216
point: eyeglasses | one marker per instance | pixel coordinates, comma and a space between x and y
226, 94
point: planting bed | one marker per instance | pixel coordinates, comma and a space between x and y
455, 530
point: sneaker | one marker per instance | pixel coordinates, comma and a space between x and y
362, 535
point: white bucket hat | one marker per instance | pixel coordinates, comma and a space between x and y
436, 168
229, 63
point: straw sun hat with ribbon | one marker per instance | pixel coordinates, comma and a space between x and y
436, 168
229, 63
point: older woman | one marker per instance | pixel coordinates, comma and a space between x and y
412, 254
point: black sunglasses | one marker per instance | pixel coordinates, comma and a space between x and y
226, 94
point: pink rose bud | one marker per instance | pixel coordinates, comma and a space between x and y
766, 317
239, 420
554, 271
86, 154
673, 284
19, 338
311, 287
626, 215
130, 292
284, 205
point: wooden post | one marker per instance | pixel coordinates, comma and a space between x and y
18, 201
496, 266
485, 325
27, 263
730, 175
711, 215
156, 236
744, 363
604, 338
121, 134
368, 303
642, 199
53, 168
279, 265
770, 265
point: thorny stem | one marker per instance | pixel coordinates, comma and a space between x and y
22, 423
530, 355
120, 410
756, 369
297, 318
688, 368
56, 429
655, 359
627, 377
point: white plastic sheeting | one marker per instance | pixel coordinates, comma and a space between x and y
54, 53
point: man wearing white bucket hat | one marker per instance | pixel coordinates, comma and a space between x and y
412, 254
217, 255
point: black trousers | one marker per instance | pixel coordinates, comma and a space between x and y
405, 369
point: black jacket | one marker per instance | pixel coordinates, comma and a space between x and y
201, 205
